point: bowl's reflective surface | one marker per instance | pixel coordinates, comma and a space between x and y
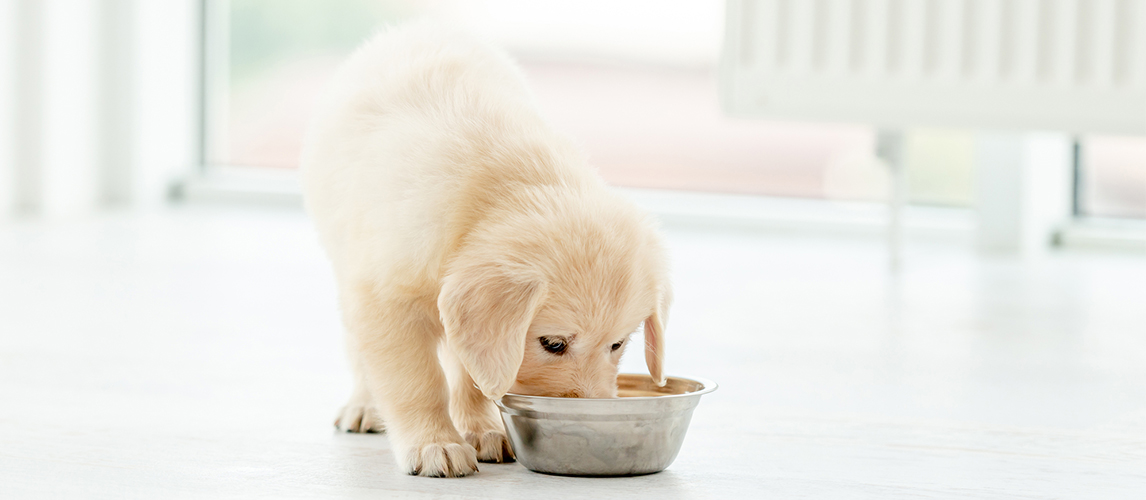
638, 433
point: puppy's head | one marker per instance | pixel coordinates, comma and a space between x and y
544, 303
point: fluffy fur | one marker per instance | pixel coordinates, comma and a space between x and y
462, 230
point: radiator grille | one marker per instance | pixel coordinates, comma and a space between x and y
1075, 65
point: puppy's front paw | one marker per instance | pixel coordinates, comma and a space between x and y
441, 460
356, 417
491, 445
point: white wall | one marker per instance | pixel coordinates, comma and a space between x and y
69, 181
7, 117
99, 103
167, 107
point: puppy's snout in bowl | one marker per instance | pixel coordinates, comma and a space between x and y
639, 432
588, 393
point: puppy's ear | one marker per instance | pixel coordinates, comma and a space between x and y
655, 337
486, 313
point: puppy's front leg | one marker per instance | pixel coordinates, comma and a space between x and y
475, 416
397, 338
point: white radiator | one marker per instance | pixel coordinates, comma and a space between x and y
1067, 65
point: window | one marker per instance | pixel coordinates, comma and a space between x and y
633, 82
272, 60
1113, 177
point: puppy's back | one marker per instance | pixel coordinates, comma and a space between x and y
419, 129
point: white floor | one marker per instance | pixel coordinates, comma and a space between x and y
197, 353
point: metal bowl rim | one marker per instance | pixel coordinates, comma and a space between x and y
709, 386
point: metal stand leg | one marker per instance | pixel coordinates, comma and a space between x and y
889, 147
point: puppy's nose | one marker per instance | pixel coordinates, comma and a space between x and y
575, 393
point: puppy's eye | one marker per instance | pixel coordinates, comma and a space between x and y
553, 345
618, 345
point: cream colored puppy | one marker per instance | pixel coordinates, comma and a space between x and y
456, 219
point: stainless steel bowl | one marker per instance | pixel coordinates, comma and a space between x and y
638, 433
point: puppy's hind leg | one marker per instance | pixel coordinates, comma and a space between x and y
359, 414
397, 337
475, 416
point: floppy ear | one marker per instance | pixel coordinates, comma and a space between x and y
486, 314
655, 337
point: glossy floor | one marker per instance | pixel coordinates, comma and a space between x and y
197, 353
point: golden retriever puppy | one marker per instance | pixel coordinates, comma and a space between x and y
469, 239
